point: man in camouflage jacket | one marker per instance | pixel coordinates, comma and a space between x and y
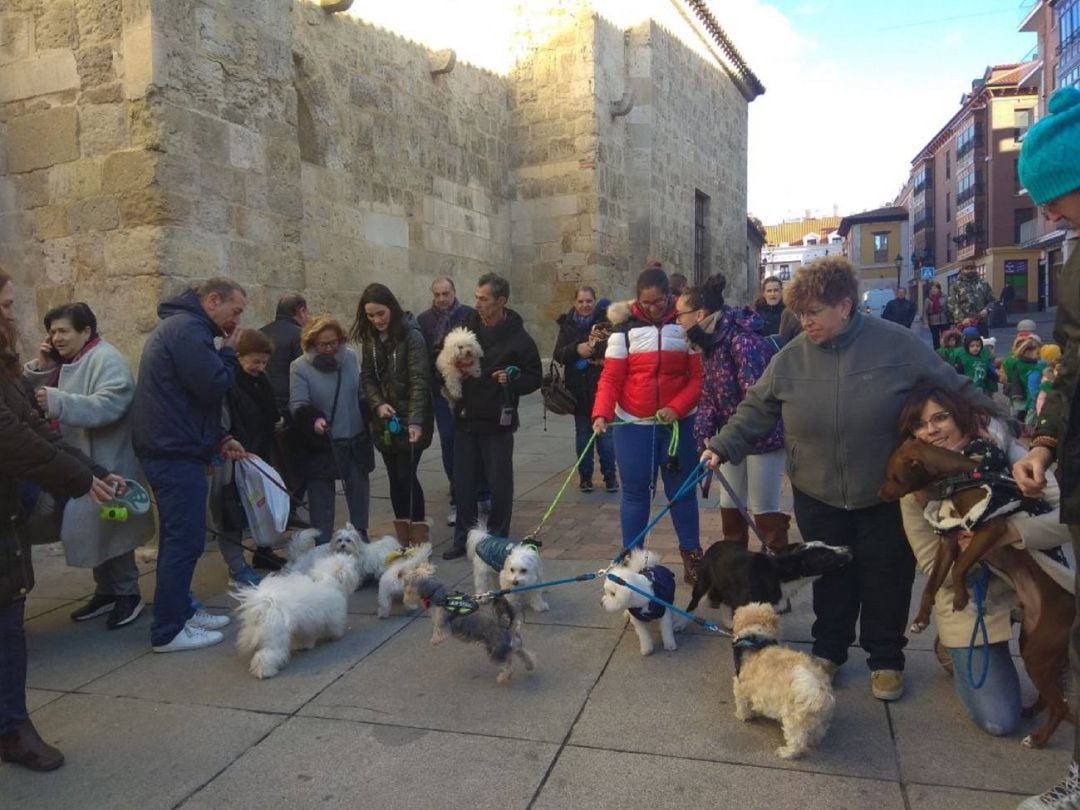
969, 297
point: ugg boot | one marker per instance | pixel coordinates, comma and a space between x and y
691, 561
774, 528
419, 533
403, 530
24, 746
734, 527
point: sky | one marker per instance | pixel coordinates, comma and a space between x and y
853, 88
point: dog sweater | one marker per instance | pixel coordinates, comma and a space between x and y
494, 550
663, 585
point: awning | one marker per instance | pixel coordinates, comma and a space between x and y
1048, 240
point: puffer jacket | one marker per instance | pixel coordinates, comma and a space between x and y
395, 372
734, 356
840, 401
770, 315
1060, 416
30, 451
648, 366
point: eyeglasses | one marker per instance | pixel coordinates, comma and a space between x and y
684, 313
813, 313
327, 344
657, 303
938, 420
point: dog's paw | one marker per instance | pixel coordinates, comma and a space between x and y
960, 600
917, 626
671, 646
744, 714
540, 606
437, 638
679, 623
646, 649
503, 677
788, 752
383, 613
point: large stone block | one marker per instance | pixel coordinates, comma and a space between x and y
93, 214
139, 53
60, 260
95, 65
103, 128
129, 170
154, 205
133, 251
54, 25
42, 139
16, 37
98, 20
50, 222
75, 180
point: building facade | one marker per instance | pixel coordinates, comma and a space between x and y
878, 244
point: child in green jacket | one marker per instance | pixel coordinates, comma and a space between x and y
976, 362
1016, 368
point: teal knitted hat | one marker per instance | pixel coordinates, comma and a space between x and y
1050, 156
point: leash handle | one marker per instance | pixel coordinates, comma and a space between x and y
705, 623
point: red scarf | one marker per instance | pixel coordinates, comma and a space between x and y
935, 304
54, 380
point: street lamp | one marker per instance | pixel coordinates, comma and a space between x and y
899, 266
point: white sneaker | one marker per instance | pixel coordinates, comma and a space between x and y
1065, 795
190, 638
451, 519
208, 621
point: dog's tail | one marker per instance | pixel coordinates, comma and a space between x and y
261, 617
810, 692
301, 542
476, 534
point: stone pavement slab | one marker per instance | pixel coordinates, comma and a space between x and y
309, 762
452, 686
584, 777
124, 753
39, 605
933, 797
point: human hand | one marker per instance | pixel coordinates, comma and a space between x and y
320, 426
982, 314
667, 415
500, 376
385, 411
117, 482
712, 459
232, 450
41, 397
1030, 471
586, 349
100, 491
232, 338
600, 425
415, 432
45, 358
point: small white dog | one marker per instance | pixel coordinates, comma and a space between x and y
376, 555
392, 584
778, 682
459, 358
643, 571
292, 610
303, 553
515, 563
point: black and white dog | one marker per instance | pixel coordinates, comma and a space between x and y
730, 576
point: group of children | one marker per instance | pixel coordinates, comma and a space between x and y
1025, 375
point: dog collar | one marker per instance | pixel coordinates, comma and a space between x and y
747, 644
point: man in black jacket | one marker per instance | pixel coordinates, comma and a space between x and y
284, 330
486, 416
900, 310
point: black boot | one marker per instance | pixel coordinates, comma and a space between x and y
24, 746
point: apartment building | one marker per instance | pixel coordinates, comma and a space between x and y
878, 245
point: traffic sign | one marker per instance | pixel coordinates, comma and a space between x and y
928, 272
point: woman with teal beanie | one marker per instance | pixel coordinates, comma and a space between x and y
1050, 171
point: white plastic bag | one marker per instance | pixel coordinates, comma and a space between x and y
264, 497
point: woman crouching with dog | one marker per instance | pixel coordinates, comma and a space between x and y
839, 387
942, 418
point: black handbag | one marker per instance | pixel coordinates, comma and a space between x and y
557, 397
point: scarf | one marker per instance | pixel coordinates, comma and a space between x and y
325, 362
583, 322
54, 380
443, 320
935, 304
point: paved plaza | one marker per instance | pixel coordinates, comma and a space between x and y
382, 719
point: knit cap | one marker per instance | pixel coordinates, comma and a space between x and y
1049, 158
970, 332
1026, 326
1051, 353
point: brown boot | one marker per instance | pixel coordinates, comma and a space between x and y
419, 533
774, 528
403, 530
24, 746
734, 527
691, 561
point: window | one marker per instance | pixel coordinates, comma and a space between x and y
948, 163
1017, 185
967, 186
948, 209
811, 241
701, 237
969, 138
1022, 119
785, 272
1023, 225
881, 247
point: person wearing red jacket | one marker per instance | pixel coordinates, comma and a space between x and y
652, 376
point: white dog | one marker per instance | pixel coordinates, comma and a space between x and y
643, 571
376, 555
292, 610
459, 358
303, 553
391, 583
778, 682
516, 563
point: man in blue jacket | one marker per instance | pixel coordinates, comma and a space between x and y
176, 420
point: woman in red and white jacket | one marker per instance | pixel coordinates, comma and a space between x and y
651, 370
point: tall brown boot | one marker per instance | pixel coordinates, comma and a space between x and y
24, 746
403, 530
691, 561
734, 527
774, 528
419, 533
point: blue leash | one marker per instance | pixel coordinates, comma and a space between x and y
696, 474
504, 591
980, 583
705, 623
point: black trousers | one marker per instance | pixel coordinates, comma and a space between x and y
480, 457
401, 471
873, 589
1074, 640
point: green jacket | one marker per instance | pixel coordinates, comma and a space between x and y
977, 368
395, 372
840, 402
1057, 418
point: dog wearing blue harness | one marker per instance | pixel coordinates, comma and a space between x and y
643, 571
516, 565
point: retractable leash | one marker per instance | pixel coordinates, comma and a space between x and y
705, 623
735, 499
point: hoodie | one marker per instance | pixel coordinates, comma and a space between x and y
182, 382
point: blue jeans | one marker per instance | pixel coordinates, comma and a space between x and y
180, 488
604, 447
996, 707
634, 449
12, 666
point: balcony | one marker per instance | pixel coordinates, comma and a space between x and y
924, 220
967, 146
976, 190
926, 182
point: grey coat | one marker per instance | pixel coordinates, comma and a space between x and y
310, 387
92, 404
840, 402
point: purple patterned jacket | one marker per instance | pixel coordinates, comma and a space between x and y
734, 356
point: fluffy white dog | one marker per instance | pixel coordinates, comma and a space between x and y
303, 553
459, 358
778, 682
515, 563
392, 584
643, 571
292, 610
376, 556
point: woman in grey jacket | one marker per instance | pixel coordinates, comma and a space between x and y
324, 398
840, 386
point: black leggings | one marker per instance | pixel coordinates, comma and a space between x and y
401, 470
